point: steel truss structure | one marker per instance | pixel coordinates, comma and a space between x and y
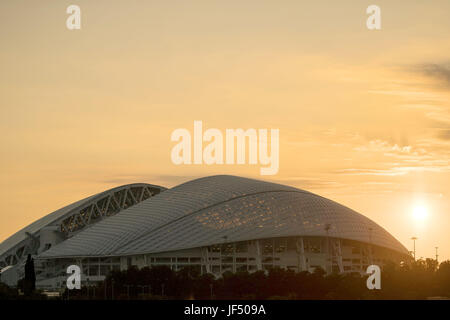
91, 211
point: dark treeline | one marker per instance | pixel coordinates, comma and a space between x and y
421, 280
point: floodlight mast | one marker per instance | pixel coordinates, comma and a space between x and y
414, 251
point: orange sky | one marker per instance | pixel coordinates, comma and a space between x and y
364, 116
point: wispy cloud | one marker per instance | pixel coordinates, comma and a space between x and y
398, 171
309, 183
373, 172
444, 134
439, 72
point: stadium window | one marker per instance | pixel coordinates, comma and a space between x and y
356, 250
292, 244
85, 269
227, 259
241, 247
104, 270
197, 268
267, 247
267, 267
280, 245
227, 267
216, 269
241, 268
93, 271
312, 245
215, 249
227, 249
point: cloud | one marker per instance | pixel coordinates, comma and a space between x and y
379, 145
397, 171
308, 183
373, 172
439, 72
444, 134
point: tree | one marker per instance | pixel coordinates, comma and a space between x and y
443, 278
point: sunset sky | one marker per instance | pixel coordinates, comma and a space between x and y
364, 116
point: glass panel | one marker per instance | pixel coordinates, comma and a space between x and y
267, 247
228, 249
280, 245
241, 247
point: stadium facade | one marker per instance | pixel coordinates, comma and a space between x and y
216, 224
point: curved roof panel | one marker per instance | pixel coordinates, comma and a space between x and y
215, 209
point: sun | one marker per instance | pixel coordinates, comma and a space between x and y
420, 213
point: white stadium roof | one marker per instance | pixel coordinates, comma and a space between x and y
218, 209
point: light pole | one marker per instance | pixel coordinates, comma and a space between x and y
437, 255
414, 241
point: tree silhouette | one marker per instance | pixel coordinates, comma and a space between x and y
421, 279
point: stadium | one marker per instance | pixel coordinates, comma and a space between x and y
216, 224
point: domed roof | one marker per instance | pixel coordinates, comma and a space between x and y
215, 209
